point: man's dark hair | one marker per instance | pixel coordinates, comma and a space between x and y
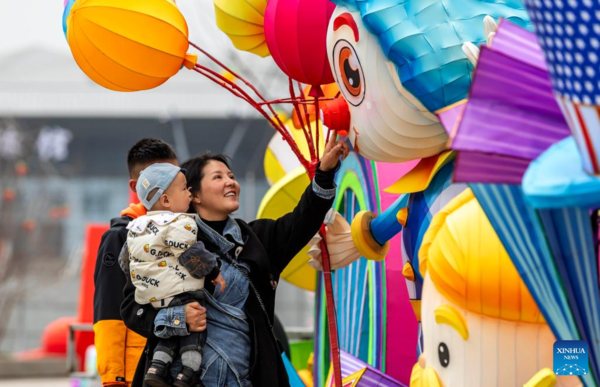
149, 150
194, 170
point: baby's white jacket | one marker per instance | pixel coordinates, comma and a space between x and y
155, 242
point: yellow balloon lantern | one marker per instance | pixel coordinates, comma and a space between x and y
280, 160
289, 180
243, 22
129, 45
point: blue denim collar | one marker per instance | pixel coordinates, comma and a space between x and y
231, 228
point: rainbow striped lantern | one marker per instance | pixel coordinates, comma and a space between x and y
569, 34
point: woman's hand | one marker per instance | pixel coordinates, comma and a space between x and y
195, 317
220, 281
333, 151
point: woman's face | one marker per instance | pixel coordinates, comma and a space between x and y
219, 192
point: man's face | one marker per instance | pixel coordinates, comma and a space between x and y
135, 174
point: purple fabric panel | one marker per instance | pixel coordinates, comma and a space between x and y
350, 364
511, 111
371, 377
374, 378
518, 43
449, 117
475, 167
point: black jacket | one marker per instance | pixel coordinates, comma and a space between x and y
269, 246
109, 279
118, 347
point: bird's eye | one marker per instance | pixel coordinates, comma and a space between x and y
348, 72
444, 355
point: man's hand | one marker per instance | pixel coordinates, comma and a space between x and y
195, 317
220, 281
332, 153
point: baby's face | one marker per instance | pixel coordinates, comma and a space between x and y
179, 195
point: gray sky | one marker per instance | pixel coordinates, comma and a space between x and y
26, 23
38, 23
33, 29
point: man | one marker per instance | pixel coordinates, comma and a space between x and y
119, 349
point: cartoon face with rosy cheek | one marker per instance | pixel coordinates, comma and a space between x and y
445, 333
387, 122
462, 348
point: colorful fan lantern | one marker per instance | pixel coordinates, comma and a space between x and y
569, 34
243, 22
296, 32
129, 46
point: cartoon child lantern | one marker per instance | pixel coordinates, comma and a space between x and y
397, 64
481, 327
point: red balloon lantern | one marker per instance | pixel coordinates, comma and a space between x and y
296, 33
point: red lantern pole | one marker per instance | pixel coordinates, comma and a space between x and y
331, 315
329, 301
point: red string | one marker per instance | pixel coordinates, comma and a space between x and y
317, 123
241, 93
242, 79
292, 101
303, 98
331, 315
311, 148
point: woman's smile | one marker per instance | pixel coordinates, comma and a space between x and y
219, 192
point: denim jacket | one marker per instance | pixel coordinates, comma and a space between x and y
165, 326
227, 320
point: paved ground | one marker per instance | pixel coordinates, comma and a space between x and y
61, 382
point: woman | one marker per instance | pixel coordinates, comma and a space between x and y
241, 346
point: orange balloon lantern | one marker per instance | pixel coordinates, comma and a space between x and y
129, 45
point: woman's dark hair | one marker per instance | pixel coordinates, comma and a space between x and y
194, 168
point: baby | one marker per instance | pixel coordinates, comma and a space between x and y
168, 266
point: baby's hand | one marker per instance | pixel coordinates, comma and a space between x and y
220, 281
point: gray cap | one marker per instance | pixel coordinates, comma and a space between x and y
160, 176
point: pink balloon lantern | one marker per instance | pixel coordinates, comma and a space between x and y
296, 33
